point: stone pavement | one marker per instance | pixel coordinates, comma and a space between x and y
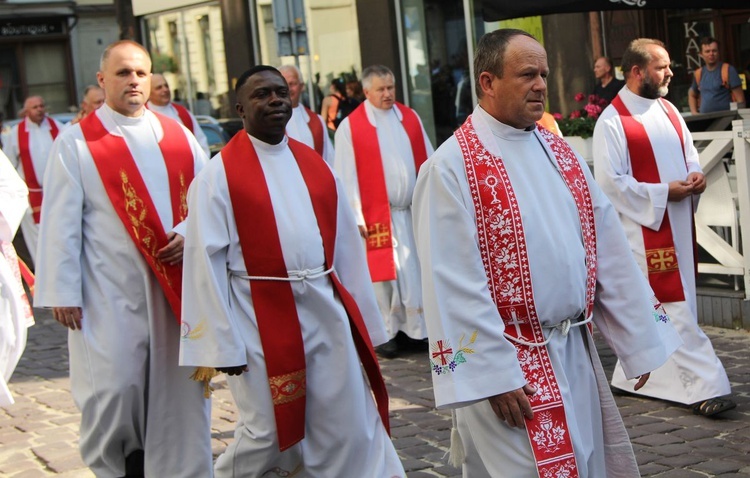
38, 435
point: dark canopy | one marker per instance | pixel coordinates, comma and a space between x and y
494, 10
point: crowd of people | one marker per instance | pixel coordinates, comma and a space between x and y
314, 244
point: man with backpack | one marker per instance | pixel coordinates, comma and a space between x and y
716, 84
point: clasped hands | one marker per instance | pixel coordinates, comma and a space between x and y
695, 183
514, 407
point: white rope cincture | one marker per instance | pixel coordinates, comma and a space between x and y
456, 453
294, 276
563, 327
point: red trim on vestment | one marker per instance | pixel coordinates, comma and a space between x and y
29, 174
182, 112
21, 272
273, 301
506, 264
661, 255
131, 199
316, 128
372, 188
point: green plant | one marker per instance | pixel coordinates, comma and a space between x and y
581, 122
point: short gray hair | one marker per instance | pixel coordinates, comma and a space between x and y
375, 70
292, 68
490, 53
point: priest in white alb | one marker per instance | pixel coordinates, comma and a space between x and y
277, 296
306, 126
520, 252
27, 145
15, 311
110, 267
380, 147
646, 163
160, 101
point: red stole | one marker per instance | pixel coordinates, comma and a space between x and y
316, 128
32, 182
661, 258
21, 272
372, 189
509, 281
273, 301
184, 115
131, 200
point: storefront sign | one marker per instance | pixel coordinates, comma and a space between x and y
30, 28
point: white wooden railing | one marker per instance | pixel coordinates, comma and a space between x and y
715, 231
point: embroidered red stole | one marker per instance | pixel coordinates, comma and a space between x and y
273, 301
29, 174
506, 263
184, 115
130, 197
316, 128
661, 258
372, 189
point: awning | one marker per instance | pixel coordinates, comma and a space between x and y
494, 10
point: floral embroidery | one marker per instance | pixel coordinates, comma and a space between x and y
660, 315
188, 333
444, 359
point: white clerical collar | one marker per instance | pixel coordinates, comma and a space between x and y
373, 112
300, 110
263, 147
502, 130
120, 119
636, 100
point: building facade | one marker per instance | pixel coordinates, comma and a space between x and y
427, 43
51, 49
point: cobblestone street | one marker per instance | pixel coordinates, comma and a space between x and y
38, 435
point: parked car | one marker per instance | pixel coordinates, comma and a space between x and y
217, 137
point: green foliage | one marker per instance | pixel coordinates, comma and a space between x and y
582, 126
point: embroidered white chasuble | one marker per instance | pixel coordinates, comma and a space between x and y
459, 308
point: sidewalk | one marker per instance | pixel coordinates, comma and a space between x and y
38, 435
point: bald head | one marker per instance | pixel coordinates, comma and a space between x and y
293, 79
125, 76
113, 46
35, 109
93, 98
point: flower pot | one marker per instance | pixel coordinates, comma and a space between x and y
584, 147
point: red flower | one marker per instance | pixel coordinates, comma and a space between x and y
579, 97
557, 116
575, 114
593, 110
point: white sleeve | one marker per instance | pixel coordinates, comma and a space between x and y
210, 334
346, 168
470, 358
13, 199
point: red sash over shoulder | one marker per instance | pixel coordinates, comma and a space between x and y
506, 264
316, 128
29, 174
661, 257
130, 197
372, 189
273, 301
184, 115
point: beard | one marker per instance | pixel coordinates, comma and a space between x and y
650, 90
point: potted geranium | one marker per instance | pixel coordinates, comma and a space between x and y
578, 127
581, 121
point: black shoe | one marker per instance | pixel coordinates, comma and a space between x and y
419, 345
388, 350
134, 465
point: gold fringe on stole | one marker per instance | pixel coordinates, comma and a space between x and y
205, 374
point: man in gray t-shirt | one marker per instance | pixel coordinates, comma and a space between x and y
716, 88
